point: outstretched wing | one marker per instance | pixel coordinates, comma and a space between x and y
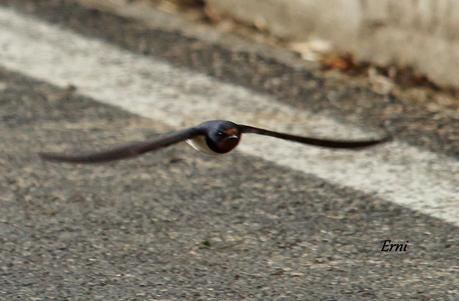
124, 151
349, 144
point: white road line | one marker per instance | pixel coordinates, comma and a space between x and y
396, 172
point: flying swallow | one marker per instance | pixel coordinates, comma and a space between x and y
211, 137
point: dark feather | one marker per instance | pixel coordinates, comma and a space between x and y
124, 151
346, 144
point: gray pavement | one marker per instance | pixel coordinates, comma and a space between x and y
177, 225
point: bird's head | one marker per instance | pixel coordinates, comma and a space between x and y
223, 136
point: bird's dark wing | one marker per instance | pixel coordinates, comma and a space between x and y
349, 144
125, 151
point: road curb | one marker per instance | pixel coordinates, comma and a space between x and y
422, 35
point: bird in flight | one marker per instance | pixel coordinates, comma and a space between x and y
211, 137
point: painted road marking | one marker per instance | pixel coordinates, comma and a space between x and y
396, 172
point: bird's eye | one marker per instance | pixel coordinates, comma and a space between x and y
220, 133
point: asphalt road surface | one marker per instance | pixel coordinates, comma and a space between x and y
272, 221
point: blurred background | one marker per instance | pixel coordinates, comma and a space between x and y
410, 42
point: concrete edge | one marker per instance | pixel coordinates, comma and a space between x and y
423, 34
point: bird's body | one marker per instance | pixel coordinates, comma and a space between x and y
211, 137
